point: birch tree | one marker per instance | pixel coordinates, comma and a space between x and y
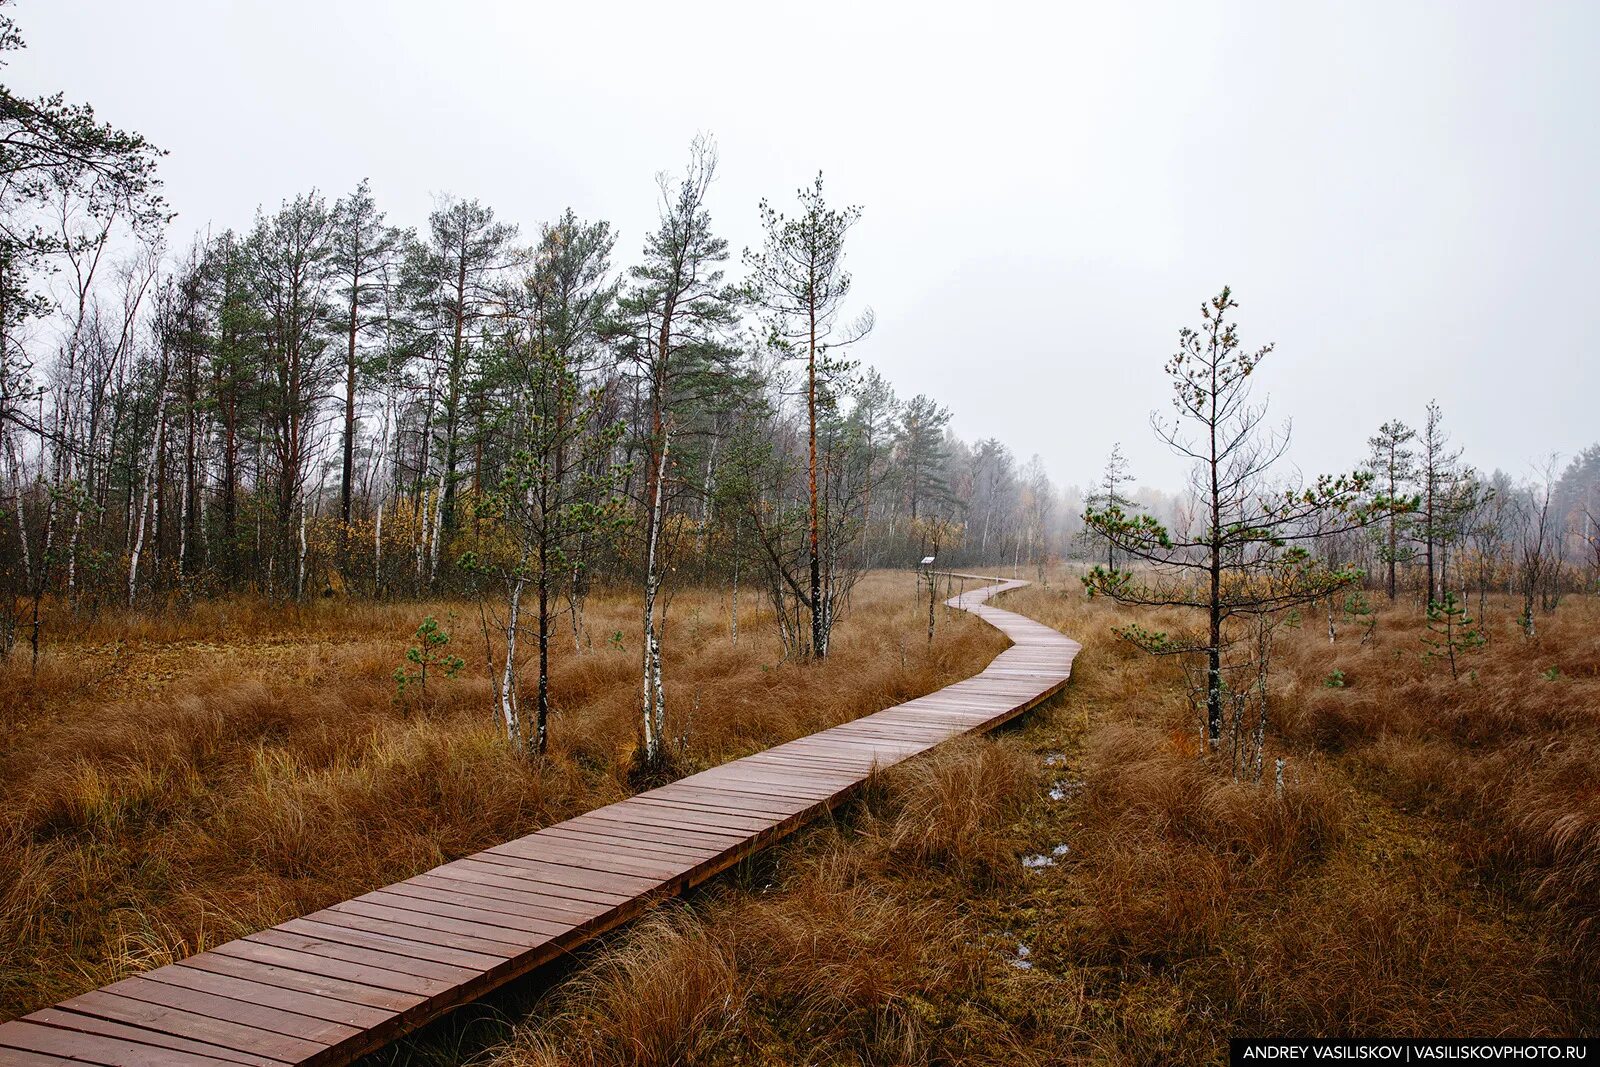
562, 485
1537, 548
677, 311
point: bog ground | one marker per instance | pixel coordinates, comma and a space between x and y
173, 781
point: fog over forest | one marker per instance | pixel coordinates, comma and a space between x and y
1400, 200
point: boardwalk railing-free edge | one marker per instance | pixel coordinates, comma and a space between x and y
328, 987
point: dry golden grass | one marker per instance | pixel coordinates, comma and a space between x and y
1429, 869
173, 780
1432, 866
1501, 760
1393, 889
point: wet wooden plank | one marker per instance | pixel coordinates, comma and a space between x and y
103, 1004
316, 1005
429, 962
302, 980
89, 1047
65, 1020
259, 1017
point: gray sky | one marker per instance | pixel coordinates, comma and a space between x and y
1403, 195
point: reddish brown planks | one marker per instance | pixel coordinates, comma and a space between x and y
333, 985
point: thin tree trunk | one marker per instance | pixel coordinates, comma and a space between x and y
377, 551
541, 737
818, 622
654, 705
144, 507
509, 713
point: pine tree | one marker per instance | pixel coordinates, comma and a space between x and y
799, 280
1393, 466
922, 454
1244, 560
365, 249
1451, 632
1108, 497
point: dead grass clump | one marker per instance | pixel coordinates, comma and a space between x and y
100, 799
1172, 845
1550, 833
953, 809
668, 993
1157, 904
1364, 956
1141, 786
846, 951
1332, 719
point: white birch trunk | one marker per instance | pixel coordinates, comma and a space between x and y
72, 542
300, 560
377, 550
183, 526
510, 714
438, 532
654, 701
149, 491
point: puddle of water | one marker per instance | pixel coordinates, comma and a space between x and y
1035, 860
1065, 789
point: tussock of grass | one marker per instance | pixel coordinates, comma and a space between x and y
951, 813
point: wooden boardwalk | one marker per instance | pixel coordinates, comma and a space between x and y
333, 985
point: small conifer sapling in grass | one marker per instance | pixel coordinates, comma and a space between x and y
430, 651
1358, 610
1451, 632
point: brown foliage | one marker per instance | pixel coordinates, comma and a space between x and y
951, 815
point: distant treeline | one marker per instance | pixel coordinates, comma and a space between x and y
329, 404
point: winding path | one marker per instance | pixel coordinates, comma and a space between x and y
335, 984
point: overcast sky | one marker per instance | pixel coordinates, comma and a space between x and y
1403, 195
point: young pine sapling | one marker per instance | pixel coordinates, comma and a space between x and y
430, 651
